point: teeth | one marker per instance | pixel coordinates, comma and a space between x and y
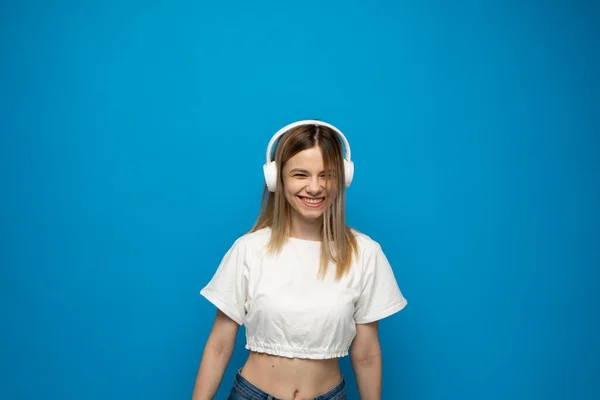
312, 201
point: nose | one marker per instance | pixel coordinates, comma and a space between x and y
314, 185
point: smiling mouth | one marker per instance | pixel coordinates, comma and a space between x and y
312, 202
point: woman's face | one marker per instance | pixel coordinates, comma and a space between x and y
305, 184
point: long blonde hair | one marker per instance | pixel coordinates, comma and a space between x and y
338, 241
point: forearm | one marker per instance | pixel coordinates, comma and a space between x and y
367, 370
210, 373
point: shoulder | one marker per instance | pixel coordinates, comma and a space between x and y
253, 240
366, 244
245, 247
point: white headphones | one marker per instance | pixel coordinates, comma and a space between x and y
270, 168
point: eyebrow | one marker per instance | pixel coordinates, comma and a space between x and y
304, 171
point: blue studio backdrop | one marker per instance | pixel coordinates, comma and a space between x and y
132, 139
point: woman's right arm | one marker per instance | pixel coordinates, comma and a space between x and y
217, 352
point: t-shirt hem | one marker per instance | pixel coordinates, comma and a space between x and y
383, 314
221, 305
295, 353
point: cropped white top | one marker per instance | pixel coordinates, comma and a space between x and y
287, 309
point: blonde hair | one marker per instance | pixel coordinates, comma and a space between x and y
338, 241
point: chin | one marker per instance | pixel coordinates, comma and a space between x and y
313, 216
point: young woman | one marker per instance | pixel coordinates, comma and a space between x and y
308, 288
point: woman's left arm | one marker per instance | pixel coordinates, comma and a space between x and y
365, 354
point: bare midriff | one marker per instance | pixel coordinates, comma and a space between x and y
291, 378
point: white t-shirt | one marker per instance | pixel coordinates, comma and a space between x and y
287, 309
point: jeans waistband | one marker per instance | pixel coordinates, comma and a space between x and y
257, 394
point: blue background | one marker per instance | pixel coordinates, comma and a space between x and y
132, 138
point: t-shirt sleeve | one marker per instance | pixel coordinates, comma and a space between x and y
228, 288
380, 296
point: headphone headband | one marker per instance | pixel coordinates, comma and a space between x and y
306, 122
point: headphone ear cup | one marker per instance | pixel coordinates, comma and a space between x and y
270, 171
348, 172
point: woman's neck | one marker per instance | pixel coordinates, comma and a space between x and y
307, 230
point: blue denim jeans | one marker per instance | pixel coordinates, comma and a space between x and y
244, 390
